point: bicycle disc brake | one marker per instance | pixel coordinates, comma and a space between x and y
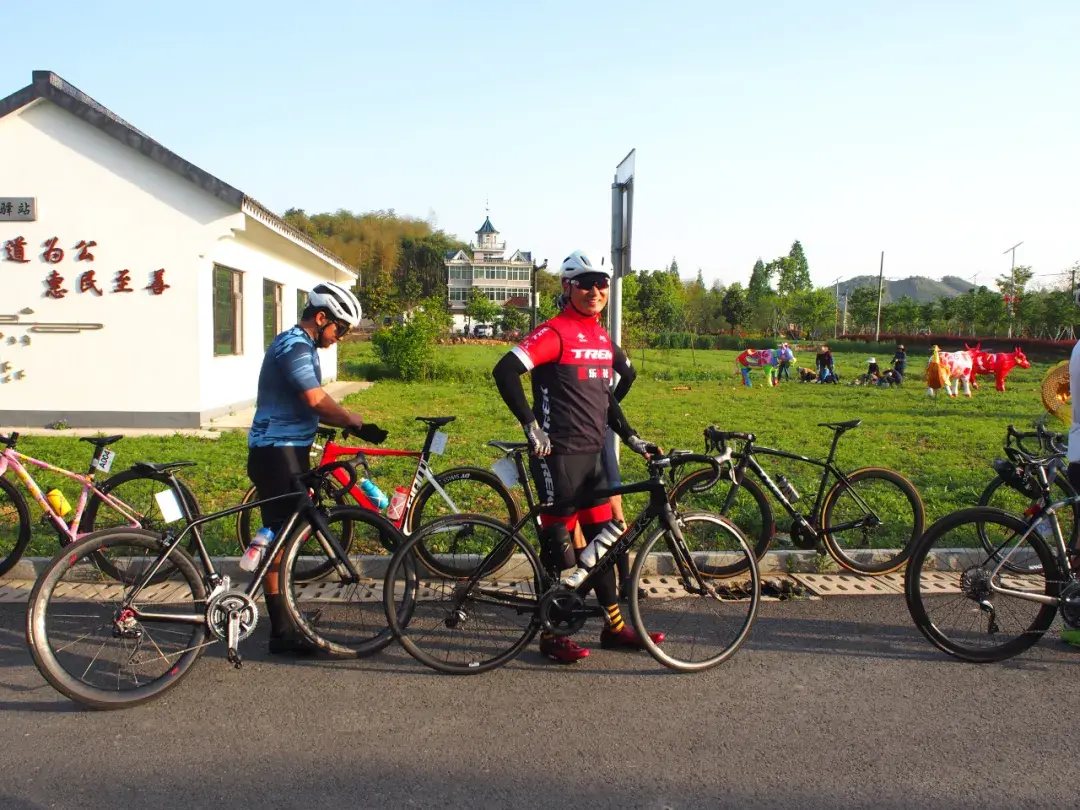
562, 612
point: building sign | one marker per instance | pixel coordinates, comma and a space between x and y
18, 209
19, 251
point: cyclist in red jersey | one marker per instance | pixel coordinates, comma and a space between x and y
570, 358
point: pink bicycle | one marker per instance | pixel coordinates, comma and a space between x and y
88, 516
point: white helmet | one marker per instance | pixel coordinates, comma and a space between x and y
578, 264
338, 299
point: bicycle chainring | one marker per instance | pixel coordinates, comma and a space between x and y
219, 608
1070, 604
562, 612
800, 538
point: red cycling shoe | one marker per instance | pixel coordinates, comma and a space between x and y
562, 649
626, 638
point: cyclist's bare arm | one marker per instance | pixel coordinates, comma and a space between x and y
328, 410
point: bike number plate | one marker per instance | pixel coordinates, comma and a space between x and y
169, 506
506, 470
438, 442
105, 460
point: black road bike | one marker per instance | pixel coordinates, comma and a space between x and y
678, 588
867, 520
117, 639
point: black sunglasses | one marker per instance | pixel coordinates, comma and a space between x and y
342, 329
599, 283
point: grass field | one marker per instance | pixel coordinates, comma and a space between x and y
943, 445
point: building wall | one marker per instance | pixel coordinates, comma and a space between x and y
229, 382
151, 363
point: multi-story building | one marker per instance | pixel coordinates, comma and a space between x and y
506, 281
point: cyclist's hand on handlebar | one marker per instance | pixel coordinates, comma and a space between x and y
367, 432
539, 441
642, 447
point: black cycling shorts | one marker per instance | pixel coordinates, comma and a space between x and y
562, 476
271, 470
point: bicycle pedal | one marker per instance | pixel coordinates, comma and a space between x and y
235, 659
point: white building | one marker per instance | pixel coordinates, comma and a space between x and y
506, 281
136, 290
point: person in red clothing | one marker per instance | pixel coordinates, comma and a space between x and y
571, 358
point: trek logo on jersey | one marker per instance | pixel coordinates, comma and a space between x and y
592, 354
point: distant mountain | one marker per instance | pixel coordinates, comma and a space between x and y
917, 287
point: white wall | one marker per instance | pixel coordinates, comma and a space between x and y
143, 217
232, 380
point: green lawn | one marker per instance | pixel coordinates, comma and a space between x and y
943, 445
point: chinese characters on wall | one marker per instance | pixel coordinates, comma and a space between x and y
18, 209
17, 250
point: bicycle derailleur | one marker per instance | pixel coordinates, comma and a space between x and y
232, 617
975, 585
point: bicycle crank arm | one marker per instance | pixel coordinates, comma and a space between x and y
233, 638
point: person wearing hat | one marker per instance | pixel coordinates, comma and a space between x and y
899, 360
824, 362
786, 357
873, 372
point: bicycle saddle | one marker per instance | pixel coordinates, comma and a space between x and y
168, 465
509, 447
436, 421
841, 426
103, 441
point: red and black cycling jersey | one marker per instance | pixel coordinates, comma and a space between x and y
571, 358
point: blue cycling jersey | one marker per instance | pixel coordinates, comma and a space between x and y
290, 367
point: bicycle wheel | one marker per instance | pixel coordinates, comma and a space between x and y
470, 490
342, 617
749, 510
135, 489
249, 521
948, 586
704, 619
89, 641
1000, 495
879, 541
14, 525
466, 627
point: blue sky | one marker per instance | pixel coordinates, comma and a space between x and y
939, 132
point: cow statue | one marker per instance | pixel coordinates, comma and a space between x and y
964, 366
765, 359
997, 365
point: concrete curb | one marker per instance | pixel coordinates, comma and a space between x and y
374, 566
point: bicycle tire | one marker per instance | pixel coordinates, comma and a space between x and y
21, 536
37, 635
445, 565
763, 538
663, 654
89, 522
522, 605
914, 596
999, 482
911, 495
308, 625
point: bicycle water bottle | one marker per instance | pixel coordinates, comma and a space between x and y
592, 554
373, 493
787, 488
253, 556
397, 504
58, 502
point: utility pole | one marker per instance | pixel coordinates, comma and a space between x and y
843, 326
836, 314
974, 289
1012, 284
533, 291
880, 289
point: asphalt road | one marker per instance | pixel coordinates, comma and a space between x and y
833, 703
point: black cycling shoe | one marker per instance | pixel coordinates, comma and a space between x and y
292, 645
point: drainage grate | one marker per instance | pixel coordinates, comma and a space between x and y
848, 585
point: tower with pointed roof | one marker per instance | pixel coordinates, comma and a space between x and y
506, 281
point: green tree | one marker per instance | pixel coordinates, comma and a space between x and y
800, 267
928, 314
814, 310
408, 348
758, 289
735, 306
480, 308
548, 283
376, 295
512, 319
696, 306
905, 313
658, 299
673, 268
862, 308
714, 308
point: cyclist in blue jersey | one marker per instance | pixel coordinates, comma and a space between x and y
290, 404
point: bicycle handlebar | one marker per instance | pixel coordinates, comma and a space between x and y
10, 439
310, 479
714, 437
